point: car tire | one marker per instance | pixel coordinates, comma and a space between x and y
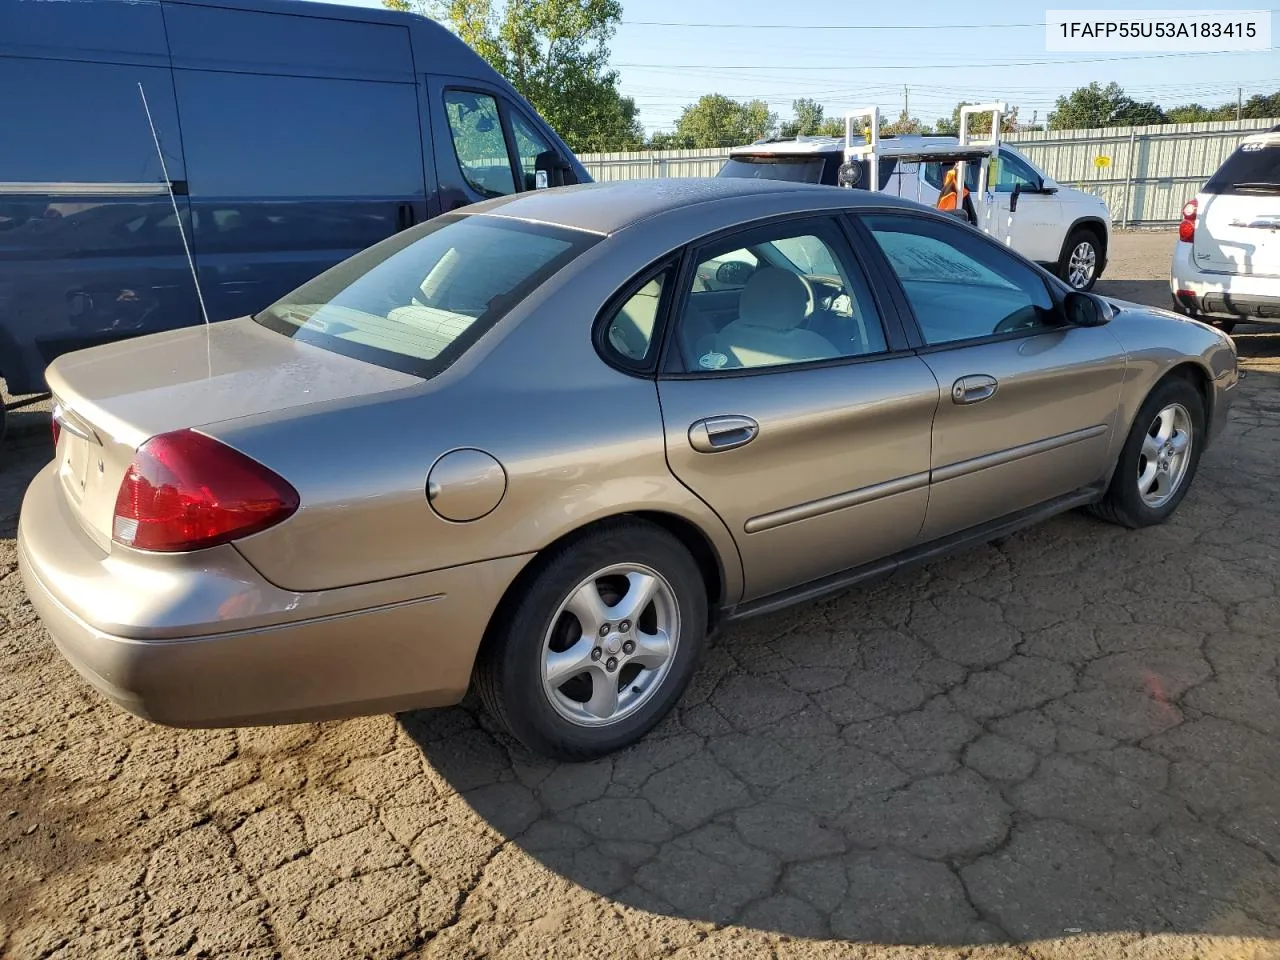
1142, 493
525, 673
1081, 249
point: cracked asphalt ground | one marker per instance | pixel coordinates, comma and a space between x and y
1066, 745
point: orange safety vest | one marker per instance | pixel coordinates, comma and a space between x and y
948, 199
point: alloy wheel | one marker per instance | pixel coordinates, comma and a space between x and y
610, 645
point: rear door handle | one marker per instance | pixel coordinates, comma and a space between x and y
722, 433
973, 389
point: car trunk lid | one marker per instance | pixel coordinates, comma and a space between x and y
110, 399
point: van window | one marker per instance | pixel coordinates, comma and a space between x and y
416, 301
478, 141
252, 135
529, 143
83, 123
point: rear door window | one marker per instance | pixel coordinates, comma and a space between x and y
1254, 168
416, 301
790, 169
476, 128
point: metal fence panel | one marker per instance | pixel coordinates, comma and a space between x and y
1152, 170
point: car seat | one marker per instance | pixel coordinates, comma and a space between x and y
773, 307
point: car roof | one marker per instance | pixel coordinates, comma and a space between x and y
610, 206
1263, 136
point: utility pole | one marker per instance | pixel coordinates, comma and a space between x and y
906, 102
1239, 102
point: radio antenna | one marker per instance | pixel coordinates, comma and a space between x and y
164, 169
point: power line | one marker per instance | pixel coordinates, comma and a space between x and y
938, 66
1153, 17
838, 26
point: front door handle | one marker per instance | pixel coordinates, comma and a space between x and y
722, 433
972, 389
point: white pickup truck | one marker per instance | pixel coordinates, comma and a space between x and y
1066, 231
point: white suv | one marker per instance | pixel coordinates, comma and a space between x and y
1226, 265
1066, 231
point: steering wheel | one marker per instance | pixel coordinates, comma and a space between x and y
810, 307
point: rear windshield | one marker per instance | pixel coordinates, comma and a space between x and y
792, 169
1253, 168
416, 301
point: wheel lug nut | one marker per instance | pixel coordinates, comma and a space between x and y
624, 626
628, 647
604, 629
611, 664
596, 653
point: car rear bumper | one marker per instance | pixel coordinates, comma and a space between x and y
272, 656
1222, 296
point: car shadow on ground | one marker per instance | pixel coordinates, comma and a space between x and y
1154, 292
1074, 731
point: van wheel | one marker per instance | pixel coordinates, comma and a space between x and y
1080, 260
599, 645
1159, 458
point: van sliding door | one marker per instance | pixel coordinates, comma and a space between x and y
303, 145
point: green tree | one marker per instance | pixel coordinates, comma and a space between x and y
669, 141
1196, 113
904, 125
833, 127
1099, 106
1259, 107
719, 121
807, 120
1135, 113
556, 53
979, 123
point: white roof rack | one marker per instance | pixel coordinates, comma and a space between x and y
961, 149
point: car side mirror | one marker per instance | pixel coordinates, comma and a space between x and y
1085, 310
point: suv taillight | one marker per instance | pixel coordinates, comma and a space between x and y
1187, 228
186, 491
56, 427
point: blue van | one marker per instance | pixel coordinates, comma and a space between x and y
293, 133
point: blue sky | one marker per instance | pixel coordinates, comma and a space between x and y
744, 54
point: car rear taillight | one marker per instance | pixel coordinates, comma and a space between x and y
1187, 228
185, 491
56, 428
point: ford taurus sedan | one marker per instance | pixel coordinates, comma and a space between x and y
543, 446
